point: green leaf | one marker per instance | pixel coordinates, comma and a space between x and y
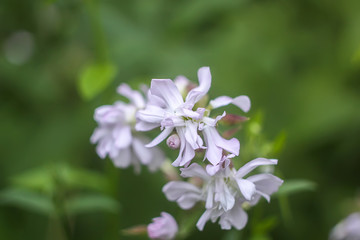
75, 178
295, 186
232, 235
95, 78
39, 179
48, 178
265, 226
260, 237
27, 200
86, 203
279, 143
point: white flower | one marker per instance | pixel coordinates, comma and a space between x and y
167, 109
348, 229
164, 227
115, 136
224, 190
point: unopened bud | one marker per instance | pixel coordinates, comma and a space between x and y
246, 205
173, 141
232, 119
135, 231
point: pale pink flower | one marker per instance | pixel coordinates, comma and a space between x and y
164, 227
115, 135
167, 109
347, 229
224, 190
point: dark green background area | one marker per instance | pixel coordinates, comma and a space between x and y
298, 61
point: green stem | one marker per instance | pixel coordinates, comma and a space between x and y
285, 209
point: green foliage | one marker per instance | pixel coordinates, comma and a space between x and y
232, 235
294, 186
47, 178
262, 229
28, 200
85, 203
94, 78
60, 189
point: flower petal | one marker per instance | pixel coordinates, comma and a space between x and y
104, 146
175, 189
266, 184
186, 153
211, 121
164, 227
246, 187
122, 136
143, 153
215, 145
98, 133
151, 114
182, 83
212, 170
134, 96
142, 126
184, 193
167, 90
243, 102
203, 219
191, 134
188, 200
254, 164
223, 195
209, 202
197, 93
236, 217
231, 145
155, 100
172, 121
166, 132
213, 152
194, 170
220, 101
123, 160
110, 114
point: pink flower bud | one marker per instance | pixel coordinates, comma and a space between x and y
173, 141
164, 227
232, 119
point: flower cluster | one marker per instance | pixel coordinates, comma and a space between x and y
116, 136
347, 229
181, 110
167, 109
224, 190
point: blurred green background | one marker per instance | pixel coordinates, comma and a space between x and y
298, 61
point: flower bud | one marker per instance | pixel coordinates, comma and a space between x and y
135, 230
232, 119
173, 141
164, 227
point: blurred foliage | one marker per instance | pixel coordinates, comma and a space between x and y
298, 61
60, 192
95, 78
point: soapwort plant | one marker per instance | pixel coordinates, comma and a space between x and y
180, 112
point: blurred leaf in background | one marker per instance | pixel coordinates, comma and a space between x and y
95, 78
